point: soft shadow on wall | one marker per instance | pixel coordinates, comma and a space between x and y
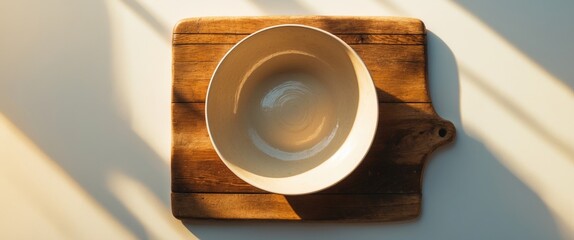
58, 88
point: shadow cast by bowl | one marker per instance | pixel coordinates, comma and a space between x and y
389, 178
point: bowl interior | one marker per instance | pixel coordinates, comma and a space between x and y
282, 105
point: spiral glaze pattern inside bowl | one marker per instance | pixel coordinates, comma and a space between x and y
291, 109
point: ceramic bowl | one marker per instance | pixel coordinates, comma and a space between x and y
291, 109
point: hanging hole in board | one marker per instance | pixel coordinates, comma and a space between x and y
442, 132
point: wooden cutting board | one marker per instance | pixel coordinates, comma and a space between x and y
387, 184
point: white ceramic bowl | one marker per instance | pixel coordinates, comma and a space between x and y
291, 109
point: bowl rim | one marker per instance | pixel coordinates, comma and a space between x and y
364, 145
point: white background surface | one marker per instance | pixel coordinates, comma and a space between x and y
85, 120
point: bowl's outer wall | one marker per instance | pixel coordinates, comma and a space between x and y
351, 93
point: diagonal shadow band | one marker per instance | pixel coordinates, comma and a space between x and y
61, 92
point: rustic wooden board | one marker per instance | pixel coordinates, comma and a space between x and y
387, 184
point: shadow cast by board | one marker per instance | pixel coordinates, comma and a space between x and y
474, 189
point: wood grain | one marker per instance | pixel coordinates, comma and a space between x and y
352, 39
399, 53
357, 207
397, 81
336, 25
386, 186
394, 165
